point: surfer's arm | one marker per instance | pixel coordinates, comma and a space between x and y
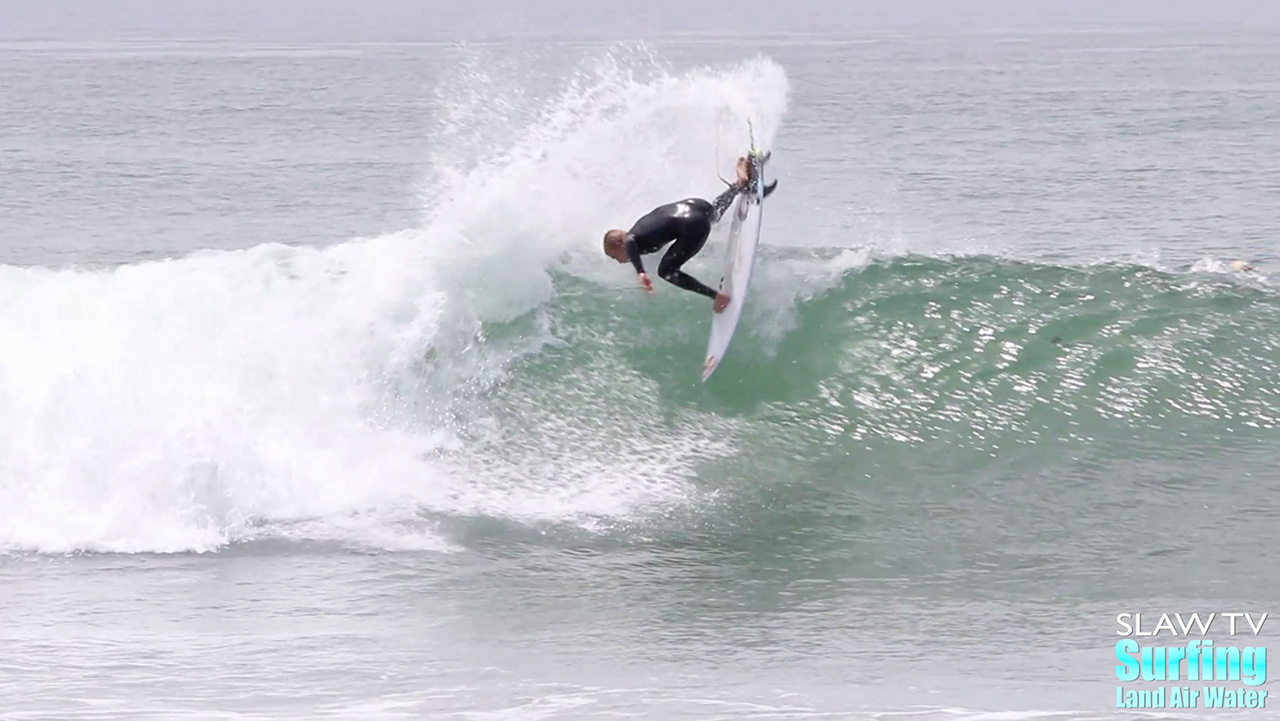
681, 279
676, 256
633, 252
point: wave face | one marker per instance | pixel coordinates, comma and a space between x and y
490, 363
340, 393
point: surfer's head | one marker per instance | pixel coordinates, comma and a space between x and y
615, 245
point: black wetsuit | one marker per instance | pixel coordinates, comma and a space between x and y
688, 222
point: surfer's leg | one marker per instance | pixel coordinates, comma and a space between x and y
722, 201
687, 245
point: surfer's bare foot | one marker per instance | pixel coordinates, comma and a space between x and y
721, 302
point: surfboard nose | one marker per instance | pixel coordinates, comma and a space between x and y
709, 366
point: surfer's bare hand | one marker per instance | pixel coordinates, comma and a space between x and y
721, 302
743, 174
644, 281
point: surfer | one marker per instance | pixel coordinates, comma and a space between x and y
687, 222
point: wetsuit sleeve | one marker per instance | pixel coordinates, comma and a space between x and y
681, 279
633, 252
723, 200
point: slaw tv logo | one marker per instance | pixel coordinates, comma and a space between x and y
1223, 675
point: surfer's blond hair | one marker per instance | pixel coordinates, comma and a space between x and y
614, 239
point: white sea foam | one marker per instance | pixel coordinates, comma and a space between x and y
184, 404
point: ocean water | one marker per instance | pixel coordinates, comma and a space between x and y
318, 399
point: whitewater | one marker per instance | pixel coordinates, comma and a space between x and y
183, 404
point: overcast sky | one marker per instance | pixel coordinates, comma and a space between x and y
434, 19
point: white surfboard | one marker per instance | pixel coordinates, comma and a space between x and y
744, 236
